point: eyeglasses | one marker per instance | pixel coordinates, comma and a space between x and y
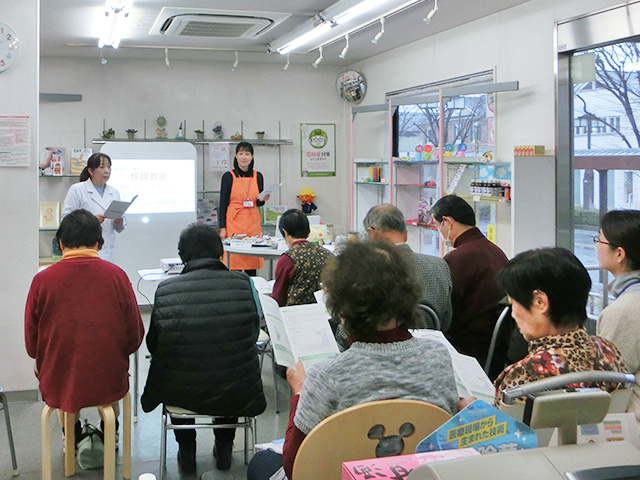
596, 239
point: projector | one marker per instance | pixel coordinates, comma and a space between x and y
171, 266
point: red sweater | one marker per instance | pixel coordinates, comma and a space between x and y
81, 324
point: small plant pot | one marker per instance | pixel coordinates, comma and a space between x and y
199, 136
260, 136
131, 136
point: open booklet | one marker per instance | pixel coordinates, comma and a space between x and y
117, 208
299, 332
471, 379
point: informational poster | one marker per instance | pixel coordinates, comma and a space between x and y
15, 141
218, 156
318, 149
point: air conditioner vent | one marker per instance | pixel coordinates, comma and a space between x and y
182, 22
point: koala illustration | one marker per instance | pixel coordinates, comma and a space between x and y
393, 444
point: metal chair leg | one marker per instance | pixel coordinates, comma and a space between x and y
12, 448
163, 444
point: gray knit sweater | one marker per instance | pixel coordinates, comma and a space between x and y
415, 369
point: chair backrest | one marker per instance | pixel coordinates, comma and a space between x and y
504, 317
369, 430
433, 320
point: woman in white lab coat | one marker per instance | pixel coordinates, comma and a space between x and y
93, 194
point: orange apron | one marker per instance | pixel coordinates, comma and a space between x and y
241, 219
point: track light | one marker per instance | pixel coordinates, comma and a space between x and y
166, 58
284, 69
430, 15
235, 64
379, 34
319, 59
344, 51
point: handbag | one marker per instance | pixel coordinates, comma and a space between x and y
90, 447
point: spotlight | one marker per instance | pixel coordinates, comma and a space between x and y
235, 64
430, 15
166, 58
284, 69
343, 53
103, 61
379, 34
319, 59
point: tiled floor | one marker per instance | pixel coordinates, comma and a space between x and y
25, 422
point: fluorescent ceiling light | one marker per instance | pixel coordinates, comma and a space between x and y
357, 10
305, 38
115, 14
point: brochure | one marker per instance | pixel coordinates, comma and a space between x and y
269, 190
299, 332
117, 208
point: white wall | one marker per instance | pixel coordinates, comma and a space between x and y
126, 92
18, 198
517, 42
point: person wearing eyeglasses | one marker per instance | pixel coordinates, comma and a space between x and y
618, 246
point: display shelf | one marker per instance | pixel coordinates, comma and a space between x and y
67, 175
415, 162
456, 161
484, 198
368, 161
359, 182
253, 141
414, 223
48, 260
47, 229
418, 185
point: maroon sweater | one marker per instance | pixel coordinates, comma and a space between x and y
474, 264
81, 324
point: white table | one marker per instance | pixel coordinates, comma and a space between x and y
268, 253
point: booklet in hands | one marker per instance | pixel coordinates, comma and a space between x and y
117, 208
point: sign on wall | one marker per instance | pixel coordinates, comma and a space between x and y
318, 149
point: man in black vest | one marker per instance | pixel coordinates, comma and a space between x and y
202, 338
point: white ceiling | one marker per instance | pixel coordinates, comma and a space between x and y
70, 28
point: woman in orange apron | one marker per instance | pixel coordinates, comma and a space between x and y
239, 204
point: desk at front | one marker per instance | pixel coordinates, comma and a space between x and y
268, 253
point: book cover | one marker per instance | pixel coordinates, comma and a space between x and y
49, 214
52, 161
272, 212
79, 157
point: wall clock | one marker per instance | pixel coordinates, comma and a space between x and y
9, 46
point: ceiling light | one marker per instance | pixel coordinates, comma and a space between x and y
235, 64
319, 59
305, 38
284, 69
357, 10
430, 15
379, 34
344, 51
115, 14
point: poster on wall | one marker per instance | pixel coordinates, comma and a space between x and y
15, 141
318, 149
218, 157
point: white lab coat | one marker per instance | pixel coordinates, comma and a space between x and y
84, 195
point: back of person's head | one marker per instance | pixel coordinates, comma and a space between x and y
456, 208
80, 228
622, 229
555, 271
369, 284
199, 241
385, 217
93, 162
295, 222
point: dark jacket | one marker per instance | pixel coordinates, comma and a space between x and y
202, 339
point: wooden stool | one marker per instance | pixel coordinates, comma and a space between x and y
109, 419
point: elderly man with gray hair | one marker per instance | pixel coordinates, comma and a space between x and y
386, 223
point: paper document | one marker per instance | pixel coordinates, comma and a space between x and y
269, 190
117, 208
470, 376
299, 332
262, 285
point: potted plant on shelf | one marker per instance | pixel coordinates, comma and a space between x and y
199, 134
260, 135
131, 133
108, 134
